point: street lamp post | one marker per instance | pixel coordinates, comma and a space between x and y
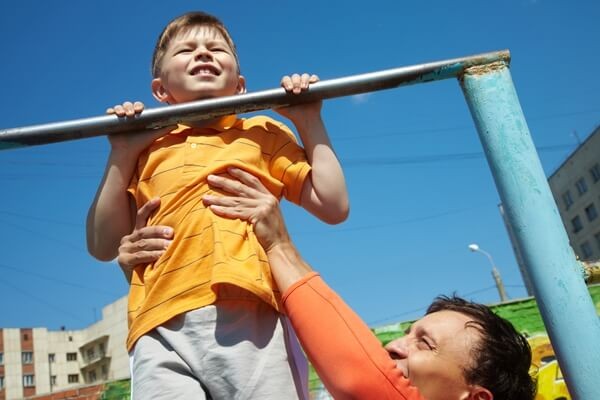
495, 273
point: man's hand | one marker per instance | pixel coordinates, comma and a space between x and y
133, 142
146, 243
249, 200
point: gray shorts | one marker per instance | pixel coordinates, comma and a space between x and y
237, 348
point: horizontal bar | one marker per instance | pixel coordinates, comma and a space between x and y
211, 108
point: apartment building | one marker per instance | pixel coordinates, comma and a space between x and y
575, 186
35, 361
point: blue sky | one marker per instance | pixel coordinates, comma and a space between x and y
420, 188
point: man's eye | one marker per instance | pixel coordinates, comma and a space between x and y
185, 50
426, 343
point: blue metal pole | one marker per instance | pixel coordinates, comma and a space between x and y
563, 299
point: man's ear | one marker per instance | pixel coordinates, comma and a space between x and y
159, 92
480, 393
241, 87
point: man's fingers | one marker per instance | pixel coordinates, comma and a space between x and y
142, 257
231, 212
248, 179
145, 211
146, 244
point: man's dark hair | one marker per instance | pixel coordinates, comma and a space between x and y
501, 358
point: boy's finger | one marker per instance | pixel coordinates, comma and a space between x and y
119, 111
296, 83
138, 106
305, 79
286, 82
128, 107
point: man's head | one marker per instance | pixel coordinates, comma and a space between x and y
195, 58
462, 350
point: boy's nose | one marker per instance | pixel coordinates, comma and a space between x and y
202, 53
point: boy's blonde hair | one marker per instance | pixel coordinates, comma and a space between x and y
187, 21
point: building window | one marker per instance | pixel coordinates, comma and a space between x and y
577, 225
71, 356
51, 357
28, 381
92, 376
73, 378
52, 380
581, 186
595, 171
597, 237
567, 199
90, 354
27, 357
590, 212
1, 358
586, 250
1, 382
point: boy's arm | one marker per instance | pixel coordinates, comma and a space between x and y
324, 192
112, 213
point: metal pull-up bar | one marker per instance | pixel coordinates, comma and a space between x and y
564, 301
205, 109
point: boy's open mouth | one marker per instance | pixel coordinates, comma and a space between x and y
204, 69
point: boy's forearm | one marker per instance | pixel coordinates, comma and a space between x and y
110, 215
328, 192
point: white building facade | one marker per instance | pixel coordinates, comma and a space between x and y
575, 186
35, 361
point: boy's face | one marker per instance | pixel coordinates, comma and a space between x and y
198, 64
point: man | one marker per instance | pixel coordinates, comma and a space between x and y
457, 351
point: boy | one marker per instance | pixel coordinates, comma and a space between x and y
203, 320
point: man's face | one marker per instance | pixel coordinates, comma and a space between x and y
434, 354
197, 64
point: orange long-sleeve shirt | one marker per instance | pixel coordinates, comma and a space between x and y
347, 356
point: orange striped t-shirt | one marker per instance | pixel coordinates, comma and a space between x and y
207, 249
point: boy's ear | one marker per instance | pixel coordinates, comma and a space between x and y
241, 88
159, 92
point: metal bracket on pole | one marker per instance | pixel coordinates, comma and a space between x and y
591, 272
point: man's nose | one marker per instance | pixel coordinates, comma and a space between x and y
397, 348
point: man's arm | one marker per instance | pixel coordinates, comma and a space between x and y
324, 193
347, 356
